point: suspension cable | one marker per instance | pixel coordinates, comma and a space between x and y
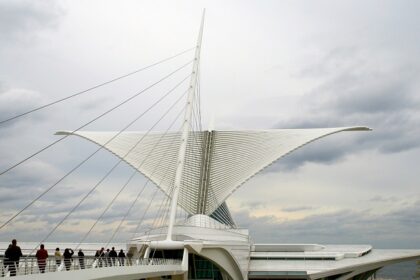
150, 202
165, 203
135, 171
190, 153
144, 213
199, 96
108, 173
95, 87
96, 118
161, 218
147, 182
161, 215
91, 155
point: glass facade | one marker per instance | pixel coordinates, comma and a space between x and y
201, 268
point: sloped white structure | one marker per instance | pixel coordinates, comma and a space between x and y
217, 162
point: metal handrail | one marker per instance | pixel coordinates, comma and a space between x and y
30, 265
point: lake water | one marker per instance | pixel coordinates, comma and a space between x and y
399, 271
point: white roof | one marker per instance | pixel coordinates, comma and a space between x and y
324, 262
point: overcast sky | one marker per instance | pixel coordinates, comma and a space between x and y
264, 64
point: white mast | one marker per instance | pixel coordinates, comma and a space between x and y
185, 132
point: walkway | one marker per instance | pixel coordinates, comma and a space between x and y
95, 268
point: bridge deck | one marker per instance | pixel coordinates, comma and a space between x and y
94, 268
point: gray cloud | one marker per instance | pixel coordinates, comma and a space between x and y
21, 19
383, 97
59, 202
56, 204
14, 101
396, 229
379, 198
297, 209
21, 23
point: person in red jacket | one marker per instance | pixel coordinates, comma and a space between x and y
41, 256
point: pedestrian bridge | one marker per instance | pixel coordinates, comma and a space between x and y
96, 268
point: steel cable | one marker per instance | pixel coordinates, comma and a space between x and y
112, 169
144, 186
95, 119
95, 87
133, 174
90, 156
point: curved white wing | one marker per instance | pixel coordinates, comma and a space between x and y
233, 157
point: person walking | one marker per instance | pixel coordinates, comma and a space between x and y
81, 256
121, 257
57, 255
68, 254
14, 253
41, 256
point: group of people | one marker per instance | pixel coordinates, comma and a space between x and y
67, 257
109, 257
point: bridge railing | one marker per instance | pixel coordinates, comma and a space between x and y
30, 265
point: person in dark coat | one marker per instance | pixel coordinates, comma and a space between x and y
98, 261
112, 256
67, 256
41, 256
121, 257
81, 256
13, 254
